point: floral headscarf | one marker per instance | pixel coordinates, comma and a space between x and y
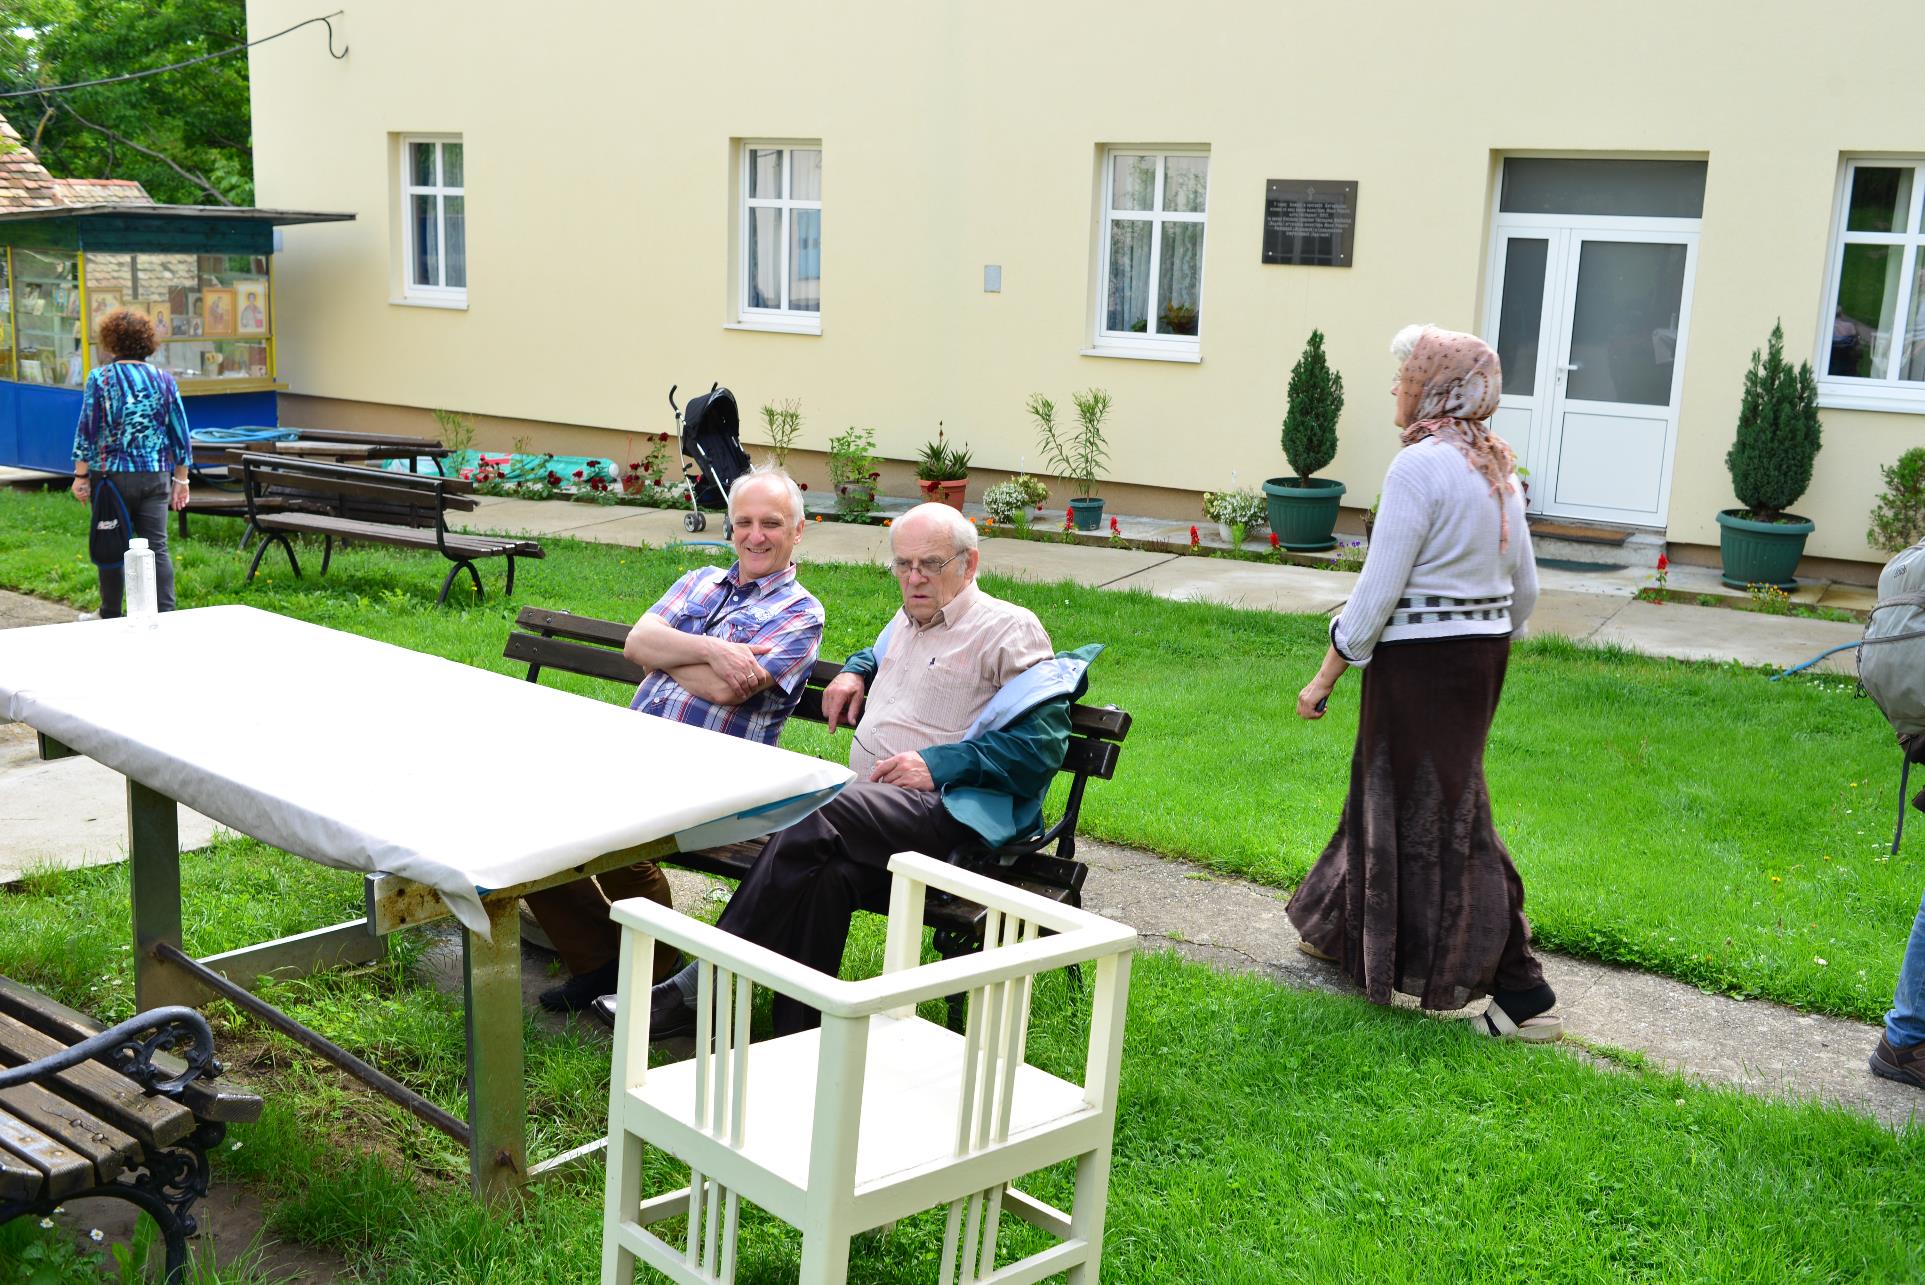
1448, 387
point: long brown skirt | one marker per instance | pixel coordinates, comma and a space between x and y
1415, 892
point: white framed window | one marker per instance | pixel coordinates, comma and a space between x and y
1872, 346
781, 236
434, 214
1150, 287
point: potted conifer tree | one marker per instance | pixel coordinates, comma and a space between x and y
1303, 509
1770, 463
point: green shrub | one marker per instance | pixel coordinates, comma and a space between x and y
1898, 519
1316, 401
1778, 433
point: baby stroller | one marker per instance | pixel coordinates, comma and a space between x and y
711, 431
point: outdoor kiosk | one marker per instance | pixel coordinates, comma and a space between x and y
204, 274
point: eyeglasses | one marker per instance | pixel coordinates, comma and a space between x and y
928, 568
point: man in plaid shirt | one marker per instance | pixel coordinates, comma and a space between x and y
729, 650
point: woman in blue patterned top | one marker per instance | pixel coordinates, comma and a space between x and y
133, 432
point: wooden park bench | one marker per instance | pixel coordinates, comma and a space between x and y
92, 1112
1045, 864
407, 510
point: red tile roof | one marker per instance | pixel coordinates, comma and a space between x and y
100, 191
25, 183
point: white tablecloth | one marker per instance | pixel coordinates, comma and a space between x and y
366, 756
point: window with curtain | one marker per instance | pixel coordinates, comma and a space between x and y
1872, 353
782, 235
1152, 261
435, 214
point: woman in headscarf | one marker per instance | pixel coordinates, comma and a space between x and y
1416, 893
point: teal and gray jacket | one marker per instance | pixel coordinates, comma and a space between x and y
994, 779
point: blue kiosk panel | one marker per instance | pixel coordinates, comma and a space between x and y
37, 422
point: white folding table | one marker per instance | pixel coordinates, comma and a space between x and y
456, 790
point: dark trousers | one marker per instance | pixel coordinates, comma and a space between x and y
575, 917
813, 876
145, 495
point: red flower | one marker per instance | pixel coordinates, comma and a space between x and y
554, 478
801, 486
662, 438
594, 464
1274, 542
1195, 540
1664, 563
1115, 529
578, 472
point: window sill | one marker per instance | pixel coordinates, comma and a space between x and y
1902, 401
1192, 356
774, 327
419, 301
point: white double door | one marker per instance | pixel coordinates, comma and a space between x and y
1589, 316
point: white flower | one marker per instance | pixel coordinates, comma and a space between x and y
95, 1236
46, 1222
235, 1147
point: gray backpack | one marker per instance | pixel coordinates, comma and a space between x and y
1891, 662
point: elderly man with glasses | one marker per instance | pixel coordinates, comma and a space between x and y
961, 718
726, 649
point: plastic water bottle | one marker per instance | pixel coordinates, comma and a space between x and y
143, 605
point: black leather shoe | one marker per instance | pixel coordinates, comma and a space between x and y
578, 992
1904, 1063
669, 1015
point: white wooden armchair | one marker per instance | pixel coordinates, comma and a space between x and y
879, 1114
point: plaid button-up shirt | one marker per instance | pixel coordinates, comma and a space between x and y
775, 610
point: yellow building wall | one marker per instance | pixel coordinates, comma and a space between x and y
600, 147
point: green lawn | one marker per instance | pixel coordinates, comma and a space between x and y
1691, 819
1264, 1134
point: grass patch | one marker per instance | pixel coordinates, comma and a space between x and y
1265, 1134
1692, 819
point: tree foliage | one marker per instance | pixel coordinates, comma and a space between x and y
183, 135
1778, 434
1316, 402
1898, 519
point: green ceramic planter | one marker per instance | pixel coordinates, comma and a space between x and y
1088, 514
1761, 552
1303, 514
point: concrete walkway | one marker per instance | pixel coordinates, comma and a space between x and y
1596, 606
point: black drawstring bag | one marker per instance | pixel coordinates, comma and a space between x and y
112, 526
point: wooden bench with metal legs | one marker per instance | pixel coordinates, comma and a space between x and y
1044, 864
130, 1113
372, 506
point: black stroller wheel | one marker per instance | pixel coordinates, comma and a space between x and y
694, 521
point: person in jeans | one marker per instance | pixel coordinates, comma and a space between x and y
1900, 1054
133, 432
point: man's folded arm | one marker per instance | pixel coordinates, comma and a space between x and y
703, 683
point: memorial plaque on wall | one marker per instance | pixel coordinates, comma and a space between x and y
1309, 222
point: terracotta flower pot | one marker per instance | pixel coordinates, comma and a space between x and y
946, 492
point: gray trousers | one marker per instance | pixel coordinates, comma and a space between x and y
145, 495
